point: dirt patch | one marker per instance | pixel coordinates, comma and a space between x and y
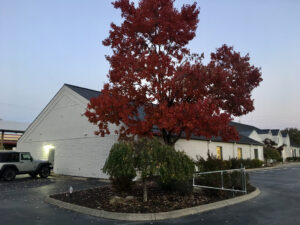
158, 199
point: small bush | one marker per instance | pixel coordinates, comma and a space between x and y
293, 159
120, 166
176, 170
212, 163
271, 153
256, 163
230, 179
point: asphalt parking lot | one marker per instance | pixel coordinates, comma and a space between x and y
21, 202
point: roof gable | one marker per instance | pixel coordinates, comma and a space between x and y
53, 105
84, 92
275, 132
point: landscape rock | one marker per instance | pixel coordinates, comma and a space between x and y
115, 200
129, 198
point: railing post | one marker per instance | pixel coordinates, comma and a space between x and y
222, 179
245, 180
242, 177
193, 180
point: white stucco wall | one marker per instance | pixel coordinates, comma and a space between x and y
294, 151
255, 136
266, 136
195, 148
78, 151
279, 139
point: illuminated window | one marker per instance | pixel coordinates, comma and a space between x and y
219, 152
239, 153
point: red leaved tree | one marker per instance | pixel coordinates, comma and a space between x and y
156, 82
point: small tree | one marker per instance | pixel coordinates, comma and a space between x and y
120, 165
271, 153
150, 158
152, 69
294, 135
146, 161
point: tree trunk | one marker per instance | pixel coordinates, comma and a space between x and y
145, 192
170, 139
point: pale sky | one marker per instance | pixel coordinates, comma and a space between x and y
44, 44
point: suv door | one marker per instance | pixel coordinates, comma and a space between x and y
26, 163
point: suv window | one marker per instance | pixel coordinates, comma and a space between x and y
25, 156
9, 157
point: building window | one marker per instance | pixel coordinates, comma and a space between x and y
239, 153
219, 152
256, 153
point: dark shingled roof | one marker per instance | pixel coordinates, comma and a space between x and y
275, 132
264, 131
284, 133
243, 140
240, 127
243, 129
247, 129
84, 92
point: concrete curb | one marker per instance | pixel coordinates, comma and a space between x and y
274, 167
59, 176
152, 216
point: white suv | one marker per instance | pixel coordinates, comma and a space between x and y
13, 163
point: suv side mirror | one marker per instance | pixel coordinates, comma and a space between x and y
31, 159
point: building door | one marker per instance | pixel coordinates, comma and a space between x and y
239, 153
51, 156
219, 153
256, 153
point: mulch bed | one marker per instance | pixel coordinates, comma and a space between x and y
158, 199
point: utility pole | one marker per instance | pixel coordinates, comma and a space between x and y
2, 140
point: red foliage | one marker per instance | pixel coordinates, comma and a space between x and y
151, 68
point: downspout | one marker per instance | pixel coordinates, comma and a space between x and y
208, 150
233, 155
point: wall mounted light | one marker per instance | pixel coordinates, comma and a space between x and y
47, 148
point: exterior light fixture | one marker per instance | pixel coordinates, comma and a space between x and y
47, 148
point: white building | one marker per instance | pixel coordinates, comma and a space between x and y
280, 139
64, 136
295, 150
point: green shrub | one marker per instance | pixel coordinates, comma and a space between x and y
151, 158
230, 179
212, 163
147, 157
271, 153
176, 170
293, 159
256, 163
120, 166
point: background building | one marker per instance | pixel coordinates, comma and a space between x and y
10, 132
64, 136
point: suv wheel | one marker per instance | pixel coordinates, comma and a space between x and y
44, 172
9, 174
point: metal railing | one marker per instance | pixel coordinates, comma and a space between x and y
222, 172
